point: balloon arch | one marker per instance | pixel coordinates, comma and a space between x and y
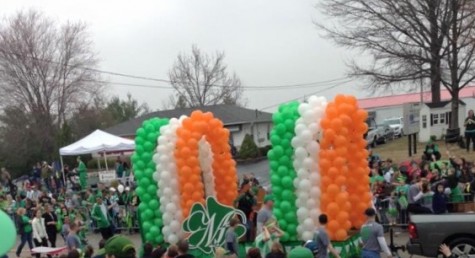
318, 163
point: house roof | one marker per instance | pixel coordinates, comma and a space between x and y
441, 104
395, 100
228, 114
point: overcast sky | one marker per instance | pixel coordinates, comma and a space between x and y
267, 42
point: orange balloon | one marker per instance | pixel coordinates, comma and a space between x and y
341, 235
332, 209
341, 180
333, 226
333, 189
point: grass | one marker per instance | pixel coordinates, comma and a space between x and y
397, 150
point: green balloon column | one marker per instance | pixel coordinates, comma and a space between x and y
144, 167
282, 172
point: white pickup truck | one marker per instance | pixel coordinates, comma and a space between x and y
374, 132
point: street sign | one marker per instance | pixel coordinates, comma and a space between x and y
411, 118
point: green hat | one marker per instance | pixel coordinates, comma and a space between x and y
268, 198
118, 245
300, 252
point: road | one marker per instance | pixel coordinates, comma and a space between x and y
259, 169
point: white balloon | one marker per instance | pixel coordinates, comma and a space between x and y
166, 230
300, 153
299, 229
314, 213
172, 239
299, 128
171, 207
304, 185
307, 235
315, 191
156, 176
306, 136
308, 224
311, 203
313, 148
296, 142
175, 225
302, 213
307, 163
313, 100
303, 108
167, 218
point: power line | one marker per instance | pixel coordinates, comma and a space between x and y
264, 87
313, 93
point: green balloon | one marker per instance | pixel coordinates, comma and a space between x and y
285, 161
159, 238
289, 124
148, 146
148, 237
291, 218
145, 182
300, 252
282, 171
271, 155
285, 206
146, 198
285, 144
278, 151
283, 224
152, 189
274, 165
140, 192
139, 149
275, 180
277, 118
139, 140
292, 228
155, 230
149, 172
288, 195
146, 225
141, 133
152, 136
275, 139
280, 129
287, 182
158, 222
277, 212
8, 233
153, 204
276, 190
149, 128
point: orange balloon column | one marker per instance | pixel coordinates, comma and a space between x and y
358, 184
192, 190
342, 151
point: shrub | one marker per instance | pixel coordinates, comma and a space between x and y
248, 148
263, 150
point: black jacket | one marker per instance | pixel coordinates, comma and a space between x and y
49, 217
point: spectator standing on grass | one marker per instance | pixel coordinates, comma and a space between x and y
40, 237
470, 130
265, 214
372, 237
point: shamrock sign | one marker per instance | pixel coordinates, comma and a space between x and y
207, 225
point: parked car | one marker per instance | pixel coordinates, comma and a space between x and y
397, 124
386, 135
374, 132
428, 232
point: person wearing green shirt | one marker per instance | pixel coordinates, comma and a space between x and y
82, 173
100, 214
119, 168
25, 230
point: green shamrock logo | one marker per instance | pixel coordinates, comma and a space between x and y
207, 225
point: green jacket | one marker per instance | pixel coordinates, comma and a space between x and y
25, 221
101, 219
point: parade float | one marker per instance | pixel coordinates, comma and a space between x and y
187, 179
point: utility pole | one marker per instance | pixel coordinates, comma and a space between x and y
422, 80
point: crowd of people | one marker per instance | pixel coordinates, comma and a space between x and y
48, 205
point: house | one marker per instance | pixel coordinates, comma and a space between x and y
435, 119
238, 120
391, 106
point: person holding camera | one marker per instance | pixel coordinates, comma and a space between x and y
470, 130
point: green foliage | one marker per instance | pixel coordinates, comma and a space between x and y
124, 110
263, 150
249, 148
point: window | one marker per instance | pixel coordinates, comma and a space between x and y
442, 118
435, 119
424, 121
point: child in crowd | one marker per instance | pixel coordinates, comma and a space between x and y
270, 234
232, 238
439, 200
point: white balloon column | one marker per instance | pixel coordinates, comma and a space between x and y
205, 157
167, 178
307, 182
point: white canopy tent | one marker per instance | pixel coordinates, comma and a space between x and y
97, 142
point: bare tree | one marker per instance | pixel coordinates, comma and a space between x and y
458, 66
401, 37
200, 79
47, 69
